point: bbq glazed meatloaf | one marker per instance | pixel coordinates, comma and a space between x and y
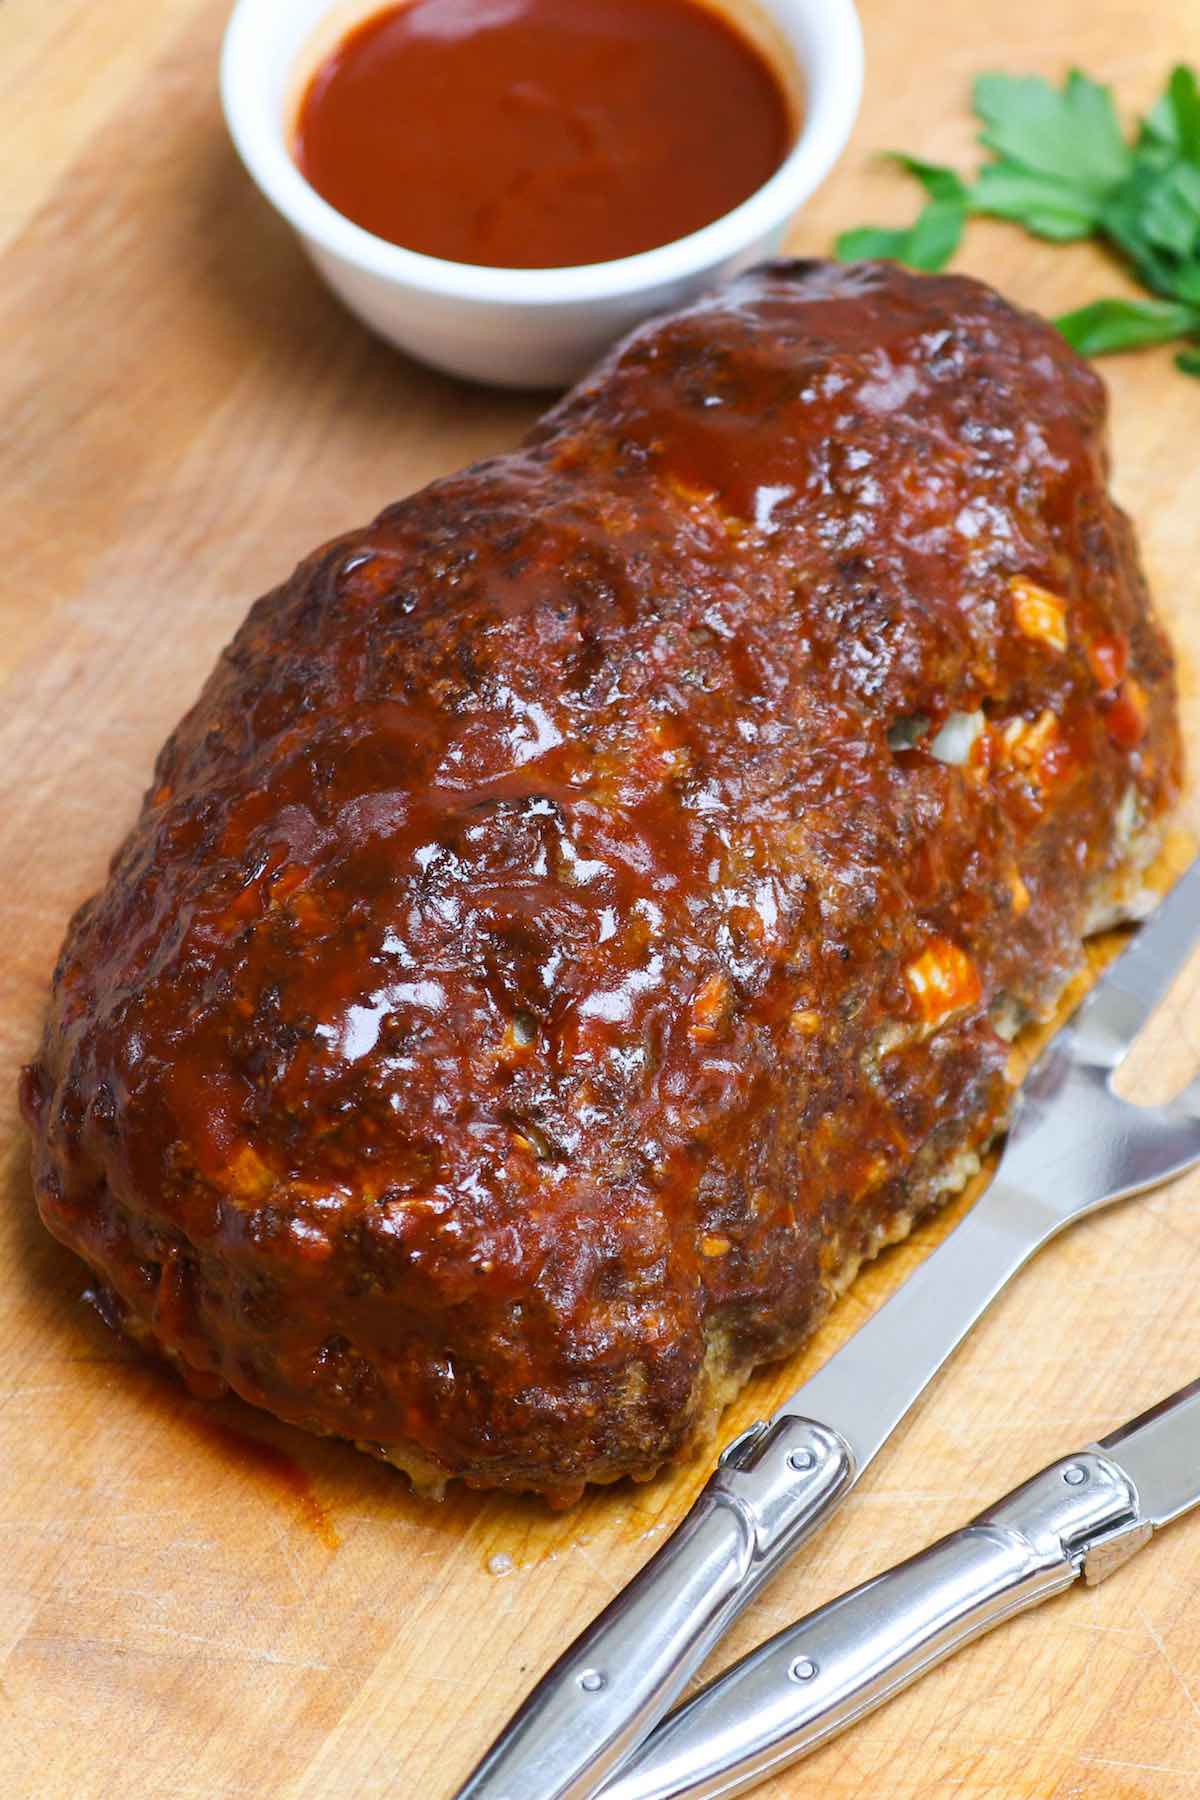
581, 917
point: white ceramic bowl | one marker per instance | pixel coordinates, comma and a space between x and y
526, 327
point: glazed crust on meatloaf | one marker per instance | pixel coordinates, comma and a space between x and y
579, 919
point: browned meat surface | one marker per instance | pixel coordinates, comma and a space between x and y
571, 928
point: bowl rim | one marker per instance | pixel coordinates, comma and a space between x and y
831, 62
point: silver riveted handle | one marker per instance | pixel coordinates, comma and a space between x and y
773, 1486
820, 1675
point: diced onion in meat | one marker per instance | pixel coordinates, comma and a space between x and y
957, 738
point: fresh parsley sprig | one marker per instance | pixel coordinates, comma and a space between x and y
1061, 167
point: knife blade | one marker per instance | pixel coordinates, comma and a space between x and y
1160, 1453
1085, 1514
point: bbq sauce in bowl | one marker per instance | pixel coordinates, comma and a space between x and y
529, 134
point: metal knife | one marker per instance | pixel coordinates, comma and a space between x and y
1086, 1514
1074, 1146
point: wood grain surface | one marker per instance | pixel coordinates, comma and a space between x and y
195, 1601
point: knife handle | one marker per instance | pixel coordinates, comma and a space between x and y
773, 1486
820, 1675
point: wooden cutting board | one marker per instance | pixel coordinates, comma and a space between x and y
196, 1601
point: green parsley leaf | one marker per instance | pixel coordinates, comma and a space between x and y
928, 244
1172, 209
932, 240
939, 182
874, 243
1061, 168
1154, 217
1187, 283
1045, 205
1108, 325
1175, 121
1072, 135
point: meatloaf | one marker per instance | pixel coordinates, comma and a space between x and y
583, 914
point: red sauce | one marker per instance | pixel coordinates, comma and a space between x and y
541, 133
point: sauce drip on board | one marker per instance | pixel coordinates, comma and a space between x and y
541, 133
270, 1465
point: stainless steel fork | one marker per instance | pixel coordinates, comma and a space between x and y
1074, 1146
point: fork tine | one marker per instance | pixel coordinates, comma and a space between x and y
1155, 1144
1116, 1009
